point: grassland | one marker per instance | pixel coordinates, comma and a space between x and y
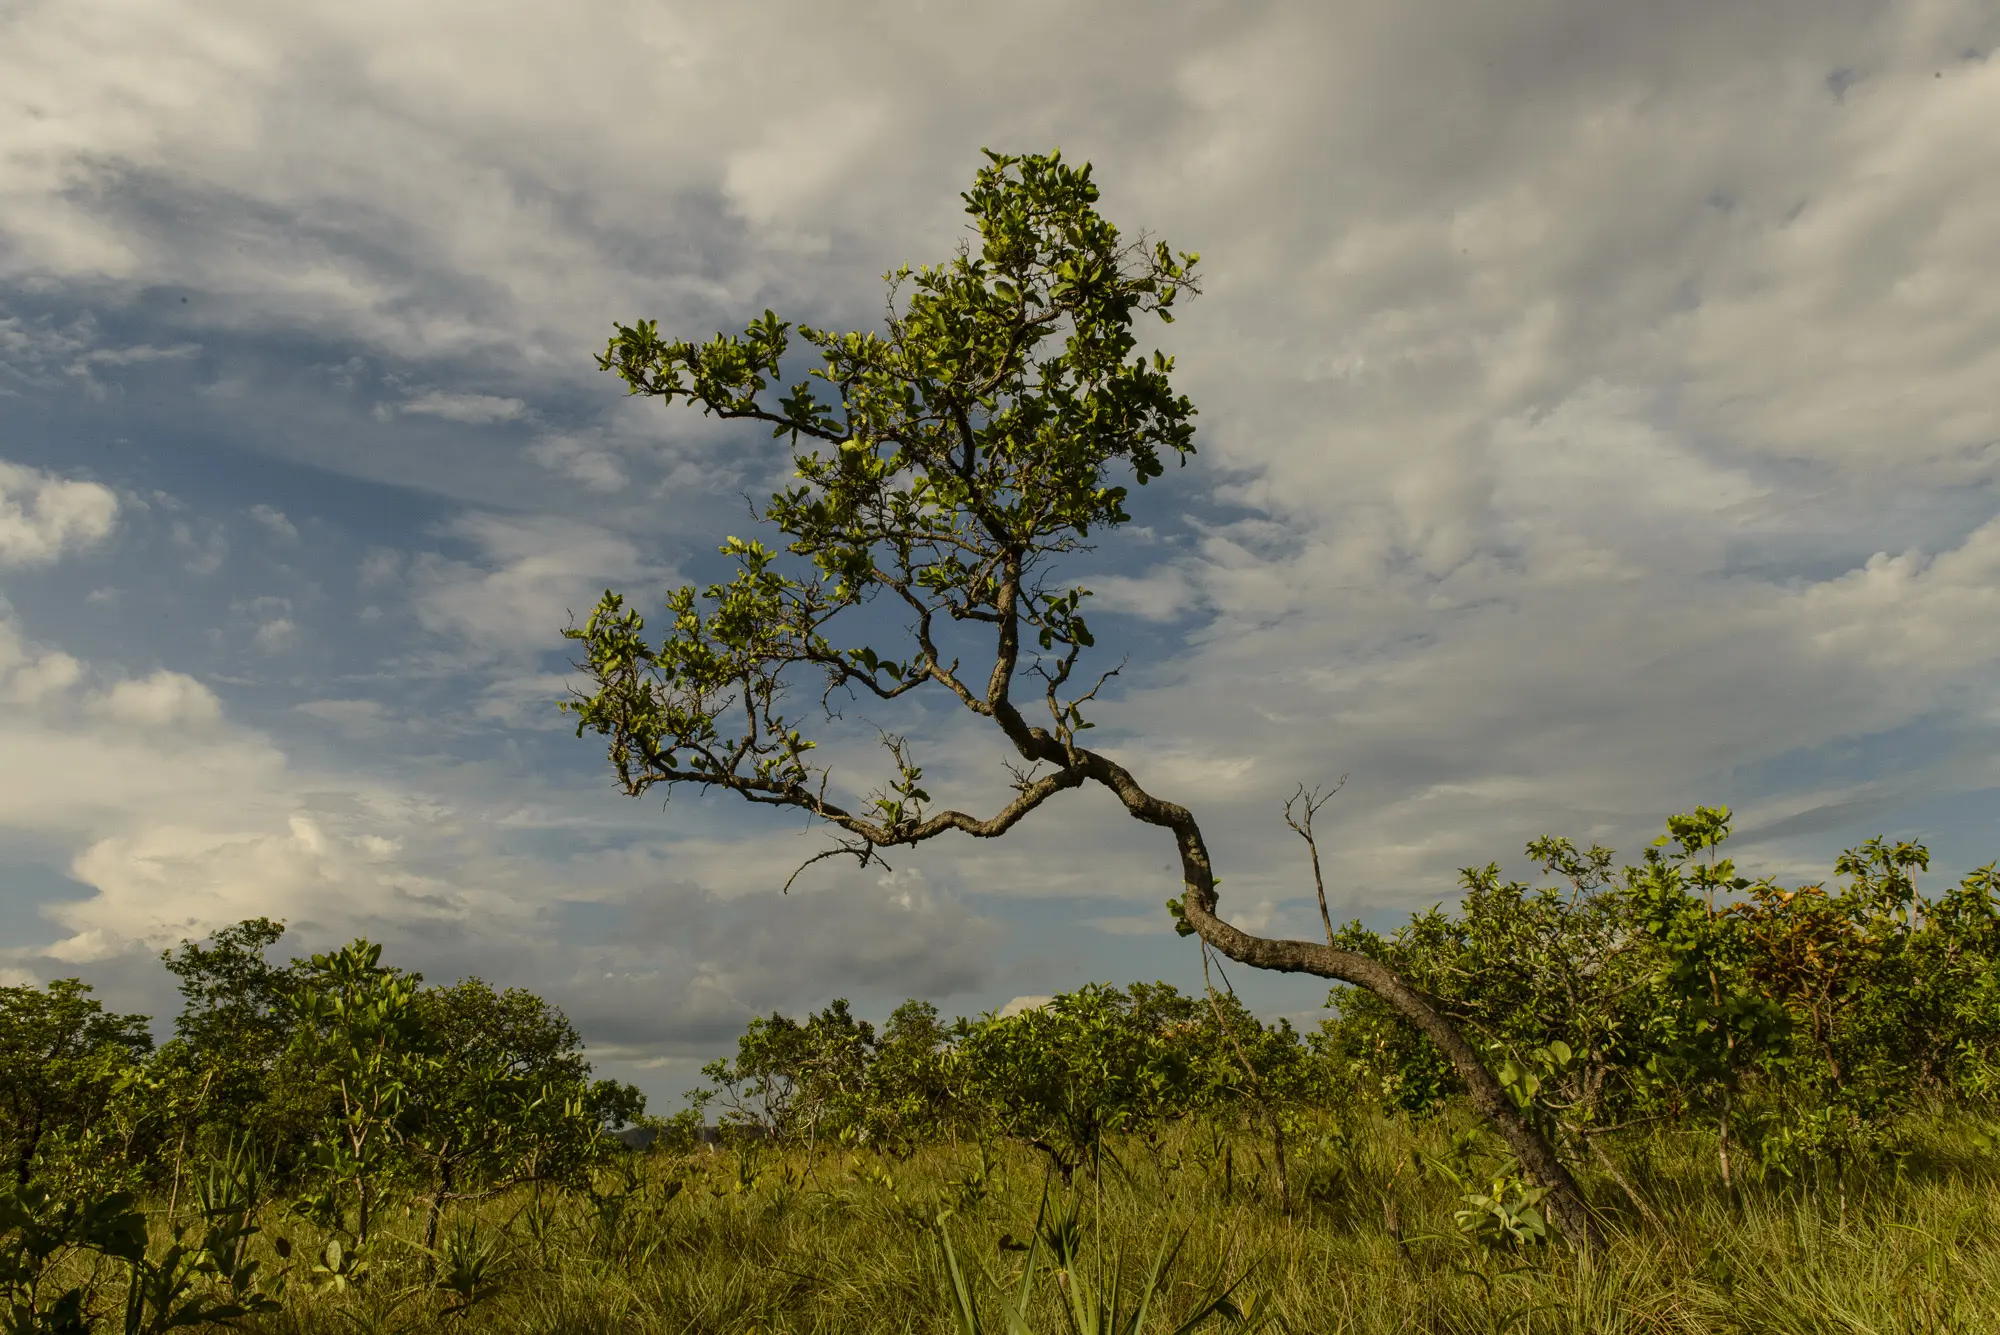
761, 1239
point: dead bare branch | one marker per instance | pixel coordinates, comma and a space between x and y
1309, 803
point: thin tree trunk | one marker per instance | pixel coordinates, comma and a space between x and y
1632, 1193
1278, 1146
441, 1186
24, 1157
180, 1149
1392, 1224
174, 1194
1722, 1151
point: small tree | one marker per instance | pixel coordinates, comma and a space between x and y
1063, 1075
357, 1040
61, 1054
1958, 998
955, 459
797, 1080
219, 1080
914, 1087
1713, 1025
501, 1094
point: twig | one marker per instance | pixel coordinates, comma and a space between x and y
1312, 802
861, 851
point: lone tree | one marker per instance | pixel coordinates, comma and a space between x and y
946, 464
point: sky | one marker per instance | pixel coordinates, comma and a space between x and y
1598, 417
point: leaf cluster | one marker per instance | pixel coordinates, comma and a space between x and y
1807, 1021
942, 463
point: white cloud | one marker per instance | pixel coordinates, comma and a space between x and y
29, 347
273, 519
1512, 698
182, 821
531, 574
471, 409
1915, 626
1593, 487
163, 700
773, 182
206, 545
40, 353
277, 635
380, 565
167, 883
1162, 594
43, 517
137, 354
152, 749
29, 674
1846, 328
596, 468
176, 820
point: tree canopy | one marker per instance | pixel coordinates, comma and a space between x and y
944, 463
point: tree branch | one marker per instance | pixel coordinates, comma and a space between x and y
1310, 803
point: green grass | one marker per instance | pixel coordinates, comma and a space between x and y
764, 1240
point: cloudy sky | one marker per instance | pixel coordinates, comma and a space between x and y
1600, 414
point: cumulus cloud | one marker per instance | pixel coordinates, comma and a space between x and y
162, 700
676, 966
30, 674
1163, 594
273, 521
204, 545
168, 883
277, 635
142, 752
43, 517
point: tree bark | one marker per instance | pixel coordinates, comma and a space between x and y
1538, 1157
441, 1187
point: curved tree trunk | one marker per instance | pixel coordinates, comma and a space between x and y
1565, 1203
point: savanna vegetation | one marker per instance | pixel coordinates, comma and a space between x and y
1777, 1102
1663, 1096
